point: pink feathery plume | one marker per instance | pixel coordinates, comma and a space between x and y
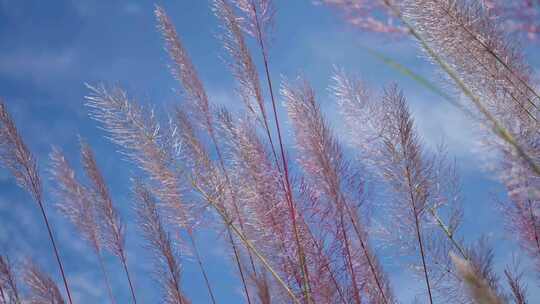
370, 125
74, 200
322, 159
188, 78
477, 49
144, 143
226, 203
242, 65
76, 203
259, 18
168, 269
368, 15
186, 74
140, 137
518, 17
15, 156
112, 231
408, 173
41, 287
8, 283
184, 71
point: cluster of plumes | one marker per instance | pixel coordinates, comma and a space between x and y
337, 188
88, 207
521, 16
422, 211
150, 148
471, 44
195, 153
254, 180
368, 15
17, 158
257, 183
307, 239
466, 37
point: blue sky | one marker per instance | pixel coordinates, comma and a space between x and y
49, 49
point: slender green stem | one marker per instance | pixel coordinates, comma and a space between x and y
448, 233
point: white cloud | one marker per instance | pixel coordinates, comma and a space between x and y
38, 65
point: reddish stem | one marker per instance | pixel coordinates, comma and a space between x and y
418, 234
237, 259
124, 264
349, 258
203, 271
283, 158
51, 237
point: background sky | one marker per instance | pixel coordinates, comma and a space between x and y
49, 49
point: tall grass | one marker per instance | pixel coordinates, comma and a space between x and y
301, 221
